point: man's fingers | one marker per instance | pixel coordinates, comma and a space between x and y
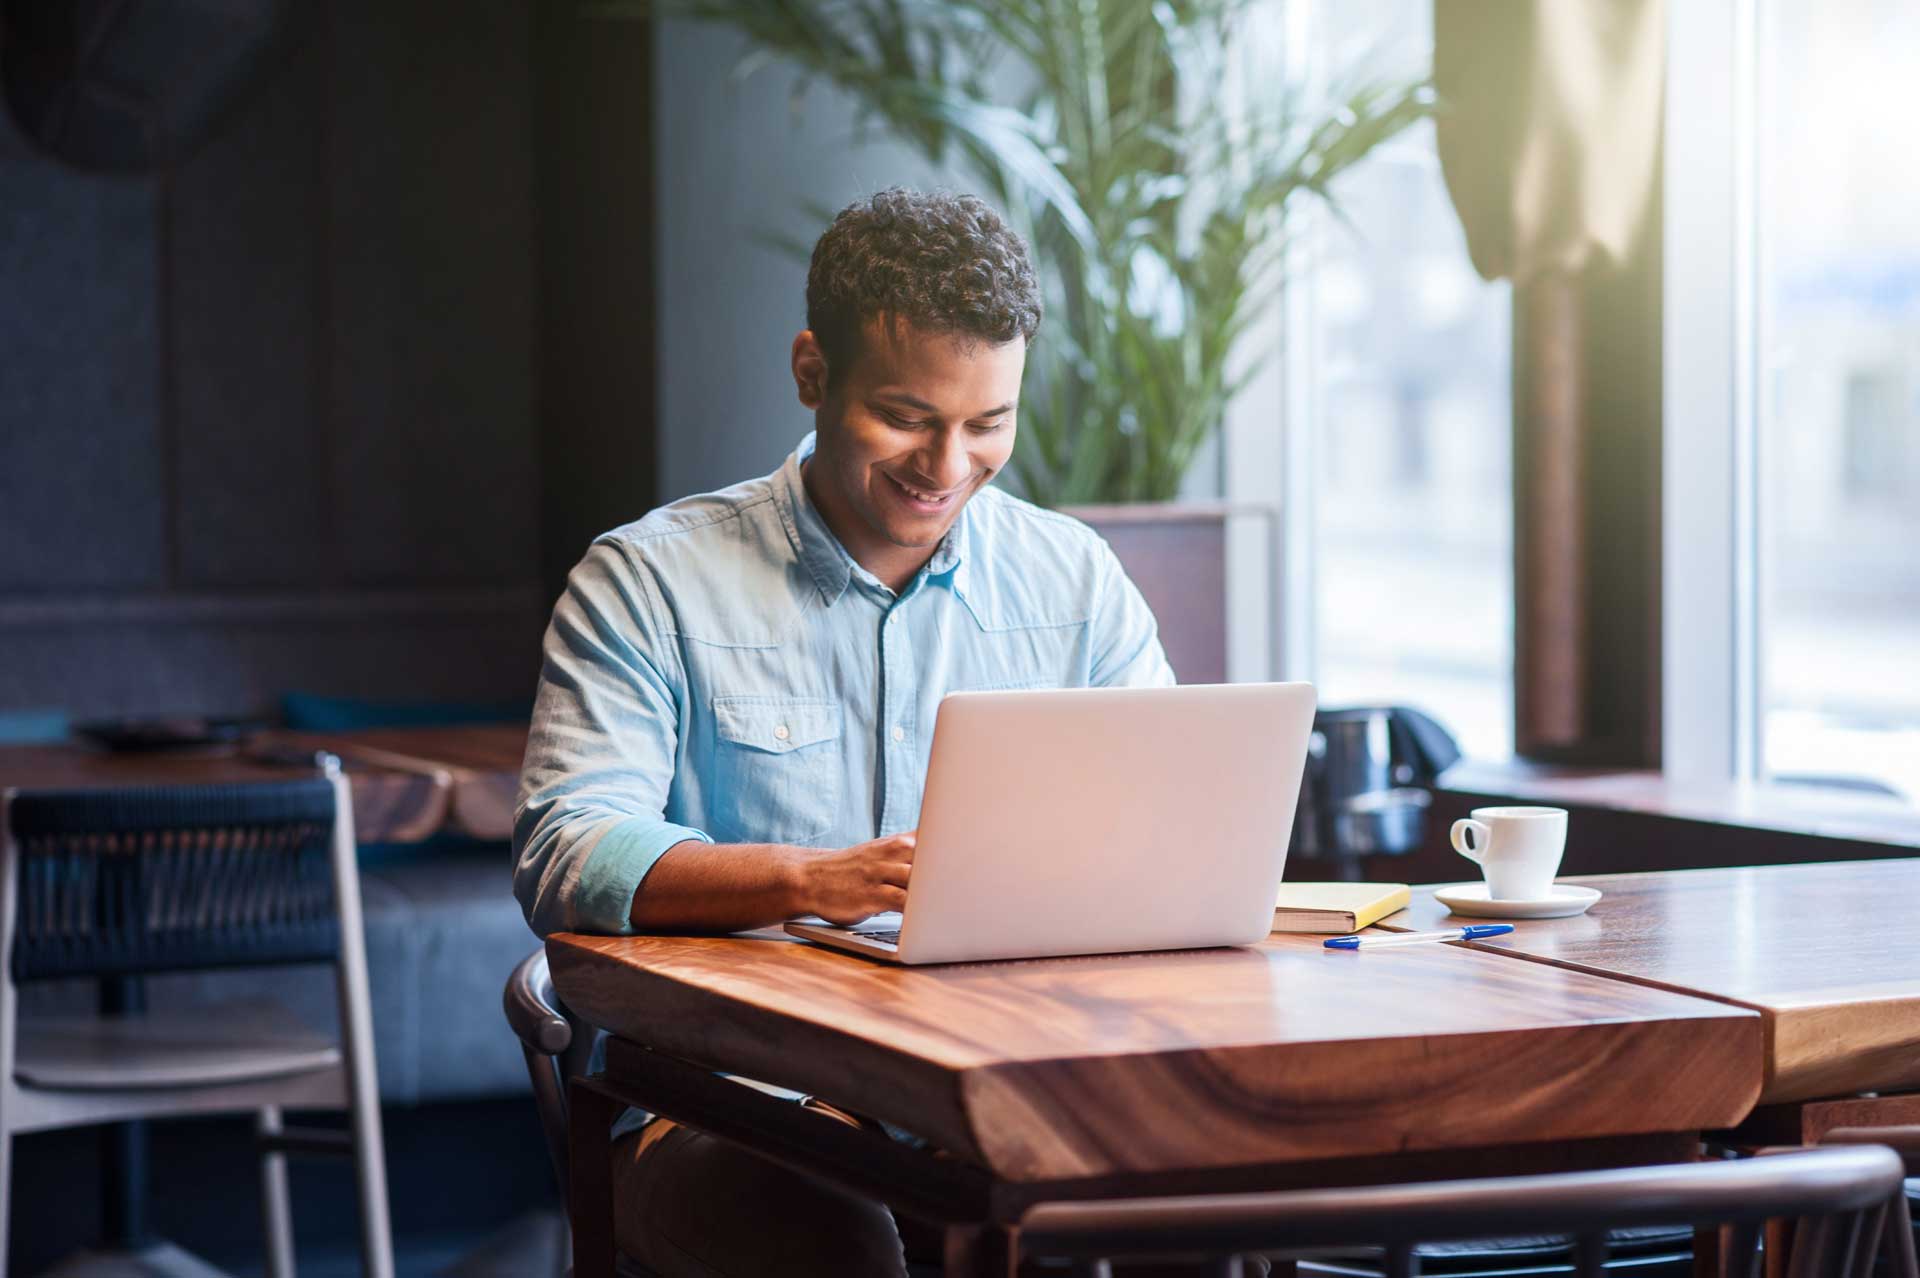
896, 872
894, 898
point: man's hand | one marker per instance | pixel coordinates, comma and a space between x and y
702, 887
849, 884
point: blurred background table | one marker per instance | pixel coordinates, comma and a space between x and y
409, 784
478, 765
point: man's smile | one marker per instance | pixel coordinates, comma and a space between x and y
924, 500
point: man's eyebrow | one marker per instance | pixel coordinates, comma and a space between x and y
913, 401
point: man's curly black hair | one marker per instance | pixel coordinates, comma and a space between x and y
942, 262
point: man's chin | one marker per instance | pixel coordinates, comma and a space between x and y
917, 538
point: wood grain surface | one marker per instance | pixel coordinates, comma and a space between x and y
1808, 1122
1061, 1068
389, 805
1829, 954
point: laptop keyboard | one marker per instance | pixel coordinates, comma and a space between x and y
890, 938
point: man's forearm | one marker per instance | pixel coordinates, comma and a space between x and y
720, 887
729, 887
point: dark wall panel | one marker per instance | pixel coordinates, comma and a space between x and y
597, 359
82, 482
254, 506
433, 293
268, 421
108, 660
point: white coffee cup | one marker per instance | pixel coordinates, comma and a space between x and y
1518, 849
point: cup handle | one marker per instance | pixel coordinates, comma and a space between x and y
1480, 832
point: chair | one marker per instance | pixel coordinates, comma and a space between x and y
1839, 1195
1900, 1249
113, 885
557, 1049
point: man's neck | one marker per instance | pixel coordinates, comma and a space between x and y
894, 566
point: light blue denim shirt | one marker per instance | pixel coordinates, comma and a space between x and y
722, 670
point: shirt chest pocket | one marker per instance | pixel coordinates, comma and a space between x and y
778, 769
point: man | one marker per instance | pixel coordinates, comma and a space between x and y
738, 695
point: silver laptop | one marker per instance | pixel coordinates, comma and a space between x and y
1097, 821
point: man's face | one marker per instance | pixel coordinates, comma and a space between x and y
908, 434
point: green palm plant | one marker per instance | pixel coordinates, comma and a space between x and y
1158, 215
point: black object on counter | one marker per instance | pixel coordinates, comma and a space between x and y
1364, 790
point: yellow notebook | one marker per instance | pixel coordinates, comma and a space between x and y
1336, 908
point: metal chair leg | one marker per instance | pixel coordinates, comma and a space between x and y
369, 1161
276, 1203
356, 1035
6, 1179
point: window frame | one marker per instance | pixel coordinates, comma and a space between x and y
1270, 437
1709, 594
1710, 586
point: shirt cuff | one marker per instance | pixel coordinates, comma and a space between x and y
603, 899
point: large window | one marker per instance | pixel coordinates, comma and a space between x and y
1408, 360
1791, 540
1838, 390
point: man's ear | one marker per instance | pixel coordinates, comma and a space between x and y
809, 369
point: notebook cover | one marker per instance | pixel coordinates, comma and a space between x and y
1336, 907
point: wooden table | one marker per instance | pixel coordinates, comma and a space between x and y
1276, 1065
408, 783
1828, 954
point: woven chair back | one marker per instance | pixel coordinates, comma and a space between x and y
120, 882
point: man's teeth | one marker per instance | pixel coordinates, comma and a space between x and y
917, 495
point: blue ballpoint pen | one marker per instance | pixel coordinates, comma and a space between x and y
1472, 932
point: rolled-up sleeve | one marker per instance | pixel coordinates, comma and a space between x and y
589, 823
1126, 638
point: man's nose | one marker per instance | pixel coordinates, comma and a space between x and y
946, 460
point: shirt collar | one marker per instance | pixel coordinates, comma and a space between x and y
820, 551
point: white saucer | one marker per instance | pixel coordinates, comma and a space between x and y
1471, 899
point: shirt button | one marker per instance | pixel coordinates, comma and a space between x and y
899, 734
780, 733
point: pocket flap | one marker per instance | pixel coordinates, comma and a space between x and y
774, 724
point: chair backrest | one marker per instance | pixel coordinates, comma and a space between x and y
1899, 1249
556, 1048
533, 1010
121, 882
1842, 1190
